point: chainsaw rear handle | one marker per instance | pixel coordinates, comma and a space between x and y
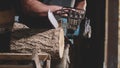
74, 17
69, 12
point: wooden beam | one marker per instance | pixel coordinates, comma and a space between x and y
111, 40
16, 66
24, 56
10, 60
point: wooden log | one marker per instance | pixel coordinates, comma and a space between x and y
25, 40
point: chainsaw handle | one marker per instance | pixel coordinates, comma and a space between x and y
69, 12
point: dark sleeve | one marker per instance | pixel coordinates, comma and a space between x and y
17, 7
6, 4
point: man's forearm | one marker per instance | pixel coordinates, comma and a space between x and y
39, 7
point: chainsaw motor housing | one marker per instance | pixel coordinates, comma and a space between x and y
70, 19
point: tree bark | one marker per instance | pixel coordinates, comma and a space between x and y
25, 40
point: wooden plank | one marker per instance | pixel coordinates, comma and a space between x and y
48, 62
35, 58
16, 66
24, 56
111, 48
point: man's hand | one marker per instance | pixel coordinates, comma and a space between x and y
69, 12
37, 7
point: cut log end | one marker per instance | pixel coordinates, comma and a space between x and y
61, 43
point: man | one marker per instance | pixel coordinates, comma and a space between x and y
34, 13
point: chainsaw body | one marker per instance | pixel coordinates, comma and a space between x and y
70, 19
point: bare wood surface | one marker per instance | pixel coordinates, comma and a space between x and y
25, 40
35, 58
48, 63
23, 60
16, 66
24, 56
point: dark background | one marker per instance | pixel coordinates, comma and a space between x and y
89, 53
